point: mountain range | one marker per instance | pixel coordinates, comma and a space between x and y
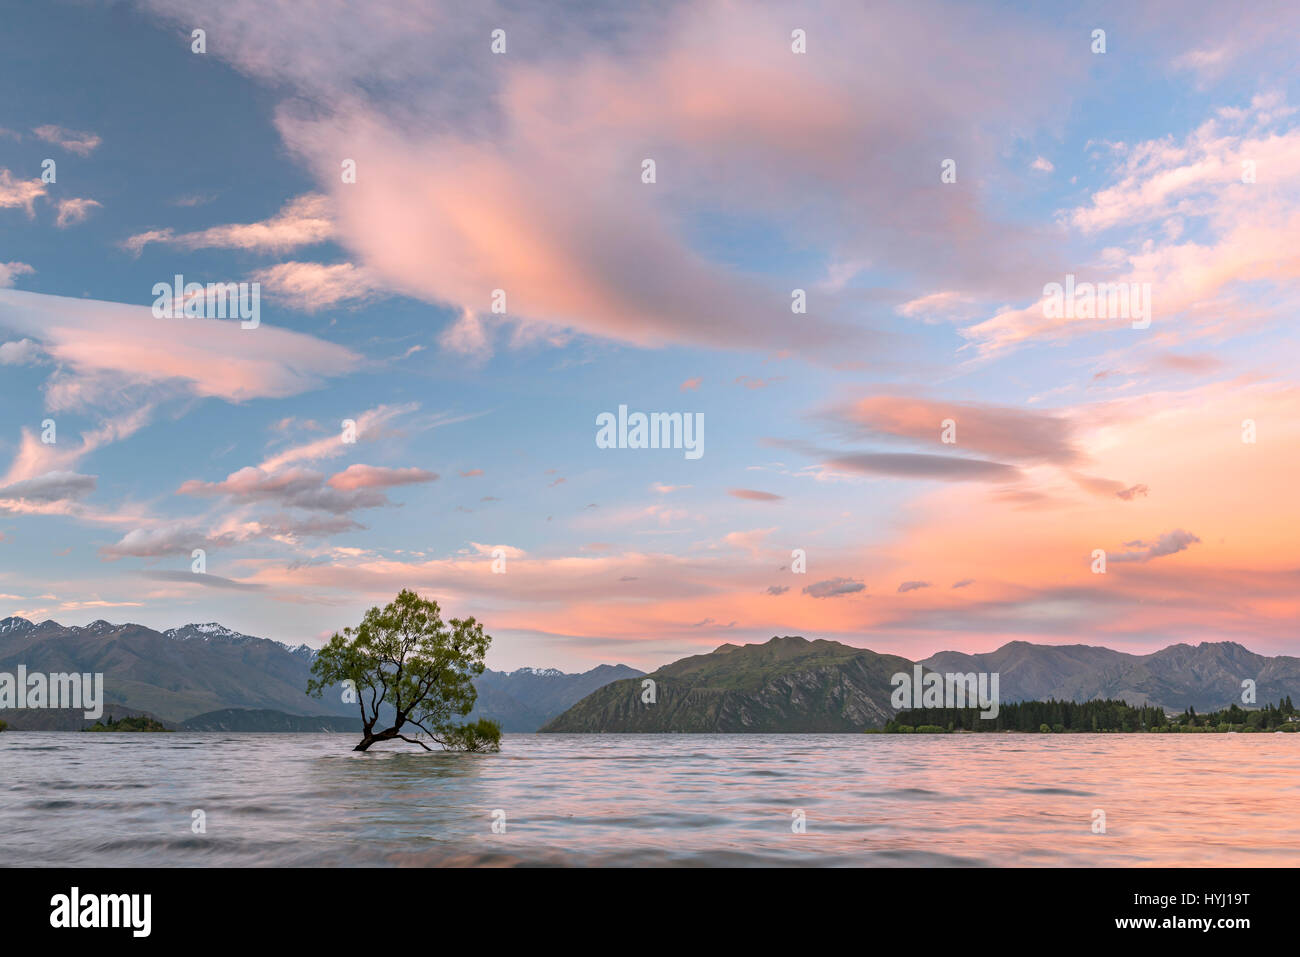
787, 684
1205, 676
525, 699
209, 677
792, 684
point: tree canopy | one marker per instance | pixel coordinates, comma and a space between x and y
405, 664
1107, 715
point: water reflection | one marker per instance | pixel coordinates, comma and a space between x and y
869, 800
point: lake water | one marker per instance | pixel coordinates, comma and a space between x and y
868, 800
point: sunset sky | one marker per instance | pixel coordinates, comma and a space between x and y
774, 171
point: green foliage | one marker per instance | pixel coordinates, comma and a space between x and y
1099, 716
403, 657
481, 735
3, 726
139, 723
1233, 718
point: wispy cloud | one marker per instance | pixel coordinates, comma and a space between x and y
1170, 543
73, 211
74, 141
314, 286
19, 193
834, 588
303, 221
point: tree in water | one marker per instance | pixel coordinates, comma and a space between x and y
404, 657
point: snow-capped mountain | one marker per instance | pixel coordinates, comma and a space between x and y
14, 626
537, 672
206, 667
215, 631
208, 630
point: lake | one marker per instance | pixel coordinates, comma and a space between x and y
867, 800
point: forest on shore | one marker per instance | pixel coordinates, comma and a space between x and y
1062, 717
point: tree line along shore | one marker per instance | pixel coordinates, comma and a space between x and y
1063, 717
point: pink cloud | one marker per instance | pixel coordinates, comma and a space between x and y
1195, 284
370, 476
104, 346
358, 486
74, 141
72, 211
1004, 432
369, 425
35, 457
9, 272
445, 213
303, 221
753, 495
21, 194
314, 286
750, 541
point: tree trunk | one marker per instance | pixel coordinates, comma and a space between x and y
368, 739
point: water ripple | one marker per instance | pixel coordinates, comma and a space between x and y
652, 800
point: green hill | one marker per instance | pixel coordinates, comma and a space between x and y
788, 684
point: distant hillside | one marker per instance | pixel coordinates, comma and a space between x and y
525, 699
173, 674
792, 685
1205, 676
264, 720
209, 672
788, 684
1030, 672
65, 719
225, 678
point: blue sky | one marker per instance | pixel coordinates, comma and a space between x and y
775, 171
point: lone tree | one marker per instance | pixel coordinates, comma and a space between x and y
404, 657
